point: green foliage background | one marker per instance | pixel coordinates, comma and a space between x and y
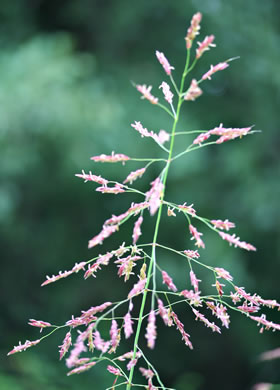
65, 95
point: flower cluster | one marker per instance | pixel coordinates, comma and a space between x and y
137, 263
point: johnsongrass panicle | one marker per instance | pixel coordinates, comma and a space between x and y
144, 257
164, 62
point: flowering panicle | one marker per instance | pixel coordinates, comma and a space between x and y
205, 45
193, 30
164, 62
140, 261
146, 93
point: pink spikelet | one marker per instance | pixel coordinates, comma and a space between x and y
180, 327
214, 69
196, 236
114, 334
137, 288
111, 159
209, 324
54, 278
67, 342
39, 324
232, 239
79, 347
205, 45
134, 175
23, 347
106, 232
168, 281
80, 369
164, 62
194, 281
137, 230
146, 93
193, 91
164, 313
114, 370
99, 343
192, 254
153, 196
193, 30
90, 177
168, 95
151, 332
128, 330
161, 137
222, 273
224, 225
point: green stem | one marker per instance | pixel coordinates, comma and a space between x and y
164, 179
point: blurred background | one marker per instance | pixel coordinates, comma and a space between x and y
66, 94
